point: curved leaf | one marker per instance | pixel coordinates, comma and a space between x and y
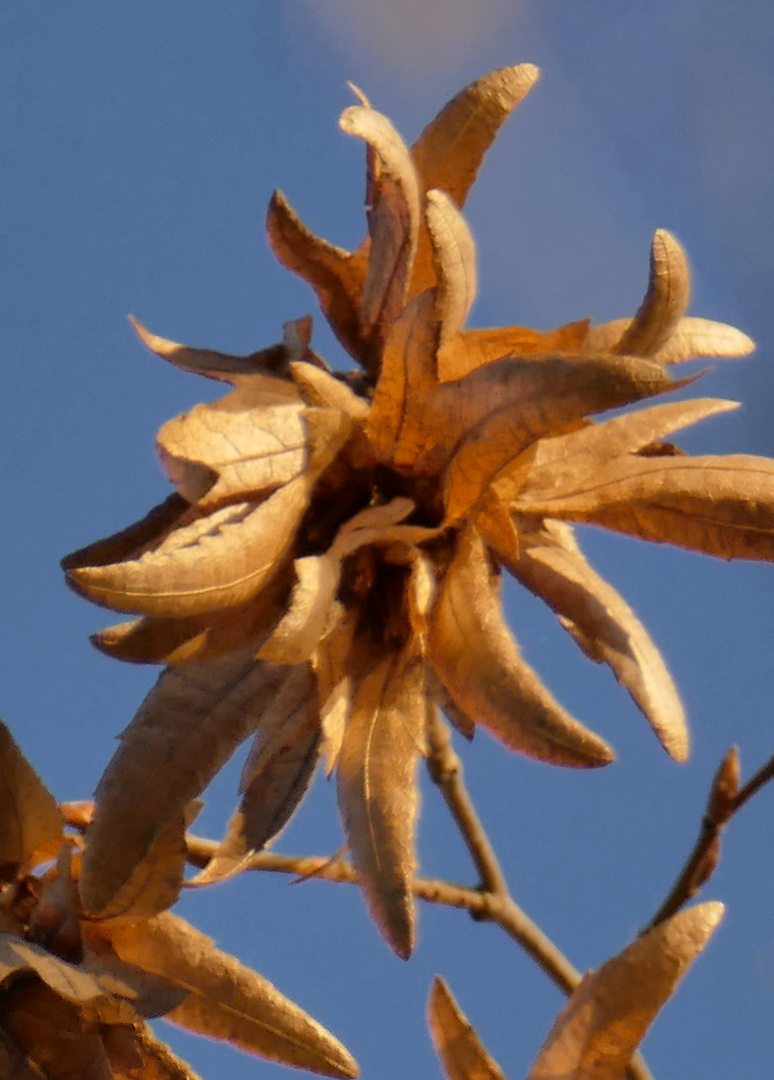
462, 1053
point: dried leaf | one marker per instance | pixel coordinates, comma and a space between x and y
393, 218
325, 390
50, 1031
226, 1000
186, 729
265, 370
454, 259
563, 462
478, 662
669, 291
691, 338
336, 277
154, 1060
233, 448
276, 774
471, 349
377, 791
197, 637
449, 152
130, 541
217, 561
552, 566
66, 980
721, 506
607, 1016
31, 830
462, 1053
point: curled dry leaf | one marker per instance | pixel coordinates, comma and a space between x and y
458, 1046
224, 999
75, 990
607, 1016
265, 558
32, 822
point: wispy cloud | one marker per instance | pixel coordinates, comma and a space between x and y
409, 37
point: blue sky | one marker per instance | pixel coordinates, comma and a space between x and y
140, 145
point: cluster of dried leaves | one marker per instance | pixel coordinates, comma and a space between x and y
75, 992
326, 576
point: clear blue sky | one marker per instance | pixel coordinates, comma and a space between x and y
140, 144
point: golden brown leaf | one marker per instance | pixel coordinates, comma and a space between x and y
607, 1016
393, 218
265, 370
462, 1053
186, 729
277, 772
130, 541
449, 152
31, 829
454, 260
233, 447
564, 461
669, 291
136, 1054
336, 277
320, 388
51, 1032
377, 791
553, 567
196, 637
225, 999
478, 662
691, 338
721, 506
471, 349
216, 561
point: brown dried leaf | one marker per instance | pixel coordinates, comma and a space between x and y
334, 274
471, 349
669, 290
128, 542
541, 393
186, 729
136, 1054
396, 425
392, 200
449, 152
66, 980
462, 1053
691, 338
477, 660
276, 775
233, 447
377, 791
454, 261
154, 884
266, 369
721, 506
320, 388
31, 829
197, 637
607, 1016
553, 567
226, 1000
51, 1032
216, 561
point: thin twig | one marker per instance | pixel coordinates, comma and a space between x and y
445, 769
726, 799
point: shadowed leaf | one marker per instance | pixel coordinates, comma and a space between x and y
458, 1046
226, 1000
475, 657
377, 791
607, 1016
30, 820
